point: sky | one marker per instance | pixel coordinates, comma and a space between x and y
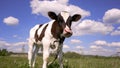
96, 33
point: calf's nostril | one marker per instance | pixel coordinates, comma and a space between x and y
68, 33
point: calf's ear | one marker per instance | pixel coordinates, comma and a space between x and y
52, 15
76, 17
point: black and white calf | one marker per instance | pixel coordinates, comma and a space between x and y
50, 34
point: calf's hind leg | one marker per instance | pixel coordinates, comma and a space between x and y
30, 52
36, 49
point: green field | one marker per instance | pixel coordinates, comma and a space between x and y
81, 62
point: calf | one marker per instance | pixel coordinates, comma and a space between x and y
50, 36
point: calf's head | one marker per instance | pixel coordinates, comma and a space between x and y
65, 21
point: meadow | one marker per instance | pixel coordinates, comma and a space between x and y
73, 62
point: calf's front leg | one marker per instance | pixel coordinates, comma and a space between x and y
60, 55
46, 47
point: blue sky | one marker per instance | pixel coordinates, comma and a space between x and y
97, 33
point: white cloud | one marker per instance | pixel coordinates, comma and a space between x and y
100, 42
4, 43
116, 32
14, 49
117, 49
66, 46
20, 43
91, 27
75, 41
12, 46
103, 52
42, 7
119, 28
62, 1
16, 36
112, 16
79, 47
99, 49
11, 20
95, 47
104, 43
114, 44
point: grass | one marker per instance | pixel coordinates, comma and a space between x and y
82, 62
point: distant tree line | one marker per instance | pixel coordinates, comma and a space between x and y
4, 52
72, 55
